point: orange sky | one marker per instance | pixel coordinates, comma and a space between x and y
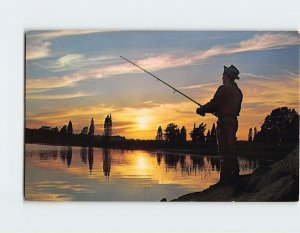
69, 79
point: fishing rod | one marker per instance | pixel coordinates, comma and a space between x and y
162, 81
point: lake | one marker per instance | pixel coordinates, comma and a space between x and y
68, 173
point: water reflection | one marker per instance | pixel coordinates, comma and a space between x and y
158, 158
197, 162
247, 166
215, 164
170, 161
69, 156
63, 154
188, 163
131, 173
106, 161
91, 159
48, 154
83, 155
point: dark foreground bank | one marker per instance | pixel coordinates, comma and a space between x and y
278, 181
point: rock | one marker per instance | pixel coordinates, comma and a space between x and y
278, 181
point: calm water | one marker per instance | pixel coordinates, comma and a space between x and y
58, 173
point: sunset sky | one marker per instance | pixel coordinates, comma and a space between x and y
77, 75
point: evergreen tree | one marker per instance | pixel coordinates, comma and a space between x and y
208, 136
255, 133
213, 134
107, 126
84, 130
202, 128
193, 134
197, 134
293, 130
70, 128
183, 134
250, 135
177, 135
280, 126
171, 133
92, 128
63, 130
159, 135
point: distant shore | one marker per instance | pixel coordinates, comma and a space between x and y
243, 148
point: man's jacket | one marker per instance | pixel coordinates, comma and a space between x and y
226, 101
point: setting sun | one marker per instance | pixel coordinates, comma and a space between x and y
143, 122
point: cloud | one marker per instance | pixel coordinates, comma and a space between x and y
260, 94
72, 80
292, 74
66, 112
97, 73
268, 41
36, 50
199, 86
69, 59
74, 62
71, 62
163, 61
148, 102
34, 91
38, 45
256, 76
260, 97
259, 42
53, 82
59, 33
58, 97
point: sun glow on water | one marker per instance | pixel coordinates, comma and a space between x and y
141, 163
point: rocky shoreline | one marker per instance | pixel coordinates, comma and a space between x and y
278, 181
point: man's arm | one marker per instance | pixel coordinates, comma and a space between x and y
213, 105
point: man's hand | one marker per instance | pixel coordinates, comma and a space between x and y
200, 112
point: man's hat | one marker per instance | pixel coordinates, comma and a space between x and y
232, 71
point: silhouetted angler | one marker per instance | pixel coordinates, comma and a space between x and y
226, 104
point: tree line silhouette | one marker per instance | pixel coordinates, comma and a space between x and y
279, 132
66, 135
280, 126
174, 135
